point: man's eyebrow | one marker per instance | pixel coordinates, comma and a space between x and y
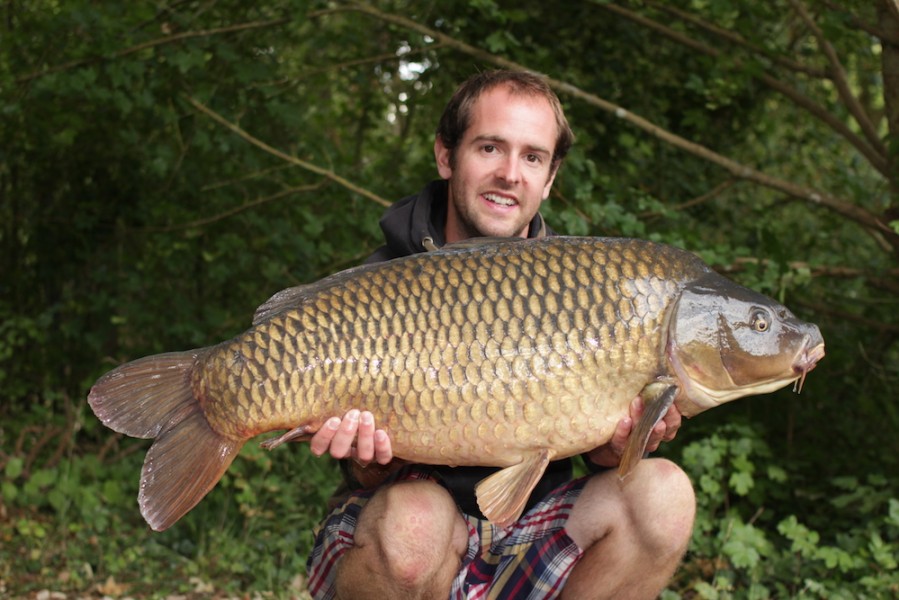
501, 140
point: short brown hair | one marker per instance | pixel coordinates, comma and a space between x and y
456, 116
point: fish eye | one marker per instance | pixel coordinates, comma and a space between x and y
760, 321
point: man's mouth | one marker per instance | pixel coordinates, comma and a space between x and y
501, 200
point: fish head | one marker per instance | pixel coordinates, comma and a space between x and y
726, 341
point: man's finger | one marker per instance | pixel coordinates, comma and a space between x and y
656, 436
365, 443
673, 421
636, 408
342, 444
321, 441
383, 447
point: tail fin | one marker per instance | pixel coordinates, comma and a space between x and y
152, 398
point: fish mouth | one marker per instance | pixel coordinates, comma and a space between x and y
805, 361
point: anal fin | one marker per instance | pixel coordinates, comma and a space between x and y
503, 495
657, 399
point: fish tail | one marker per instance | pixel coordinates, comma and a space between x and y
152, 397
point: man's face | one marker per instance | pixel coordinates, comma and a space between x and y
501, 172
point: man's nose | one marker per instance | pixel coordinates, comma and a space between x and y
509, 170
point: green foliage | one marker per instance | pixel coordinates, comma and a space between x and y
75, 525
752, 537
132, 223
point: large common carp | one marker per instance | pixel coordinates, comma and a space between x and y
507, 353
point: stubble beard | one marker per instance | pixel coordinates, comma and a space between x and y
467, 219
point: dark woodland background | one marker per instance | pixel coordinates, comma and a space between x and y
166, 166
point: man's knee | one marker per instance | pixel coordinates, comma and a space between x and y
408, 536
663, 504
418, 528
654, 506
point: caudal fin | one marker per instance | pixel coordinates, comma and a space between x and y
152, 398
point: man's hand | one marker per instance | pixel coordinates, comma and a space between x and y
354, 437
609, 454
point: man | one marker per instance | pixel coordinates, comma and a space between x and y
498, 147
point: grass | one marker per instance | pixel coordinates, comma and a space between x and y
71, 528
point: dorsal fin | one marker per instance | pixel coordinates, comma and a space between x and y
289, 298
293, 296
280, 302
479, 242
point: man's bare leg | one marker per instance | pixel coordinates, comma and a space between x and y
409, 543
634, 532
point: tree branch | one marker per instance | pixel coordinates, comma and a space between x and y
886, 280
371, 60
858, 214
150, 44
878, 32
893, 5
827, 309
286, 157
738, 40
242, 178
881, 231
238, 209
889, 67
877, 159
701, 199
841, 80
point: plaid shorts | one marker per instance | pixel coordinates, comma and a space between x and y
532, 559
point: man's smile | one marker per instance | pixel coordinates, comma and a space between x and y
498, 199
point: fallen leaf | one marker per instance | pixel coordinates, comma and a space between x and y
200, 586
112, 588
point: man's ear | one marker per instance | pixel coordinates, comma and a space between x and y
549, 183
443, 156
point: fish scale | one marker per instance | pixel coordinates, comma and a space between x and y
451, 305
502, 353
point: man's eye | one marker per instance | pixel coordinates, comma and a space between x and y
533, 158
488, 148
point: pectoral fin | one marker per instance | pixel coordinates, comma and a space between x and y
657, 398
502, 496
303, 433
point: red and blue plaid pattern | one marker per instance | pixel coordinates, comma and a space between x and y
529, 560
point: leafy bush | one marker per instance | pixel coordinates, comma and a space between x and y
73, 525
747, 543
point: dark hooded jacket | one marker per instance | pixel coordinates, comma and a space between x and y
417, 224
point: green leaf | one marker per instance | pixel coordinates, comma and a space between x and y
777, 474
804, 541
709, 485
885, 554
14, 467
10, 491
893, 517
741, 483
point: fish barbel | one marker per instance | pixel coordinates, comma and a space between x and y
506, 353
